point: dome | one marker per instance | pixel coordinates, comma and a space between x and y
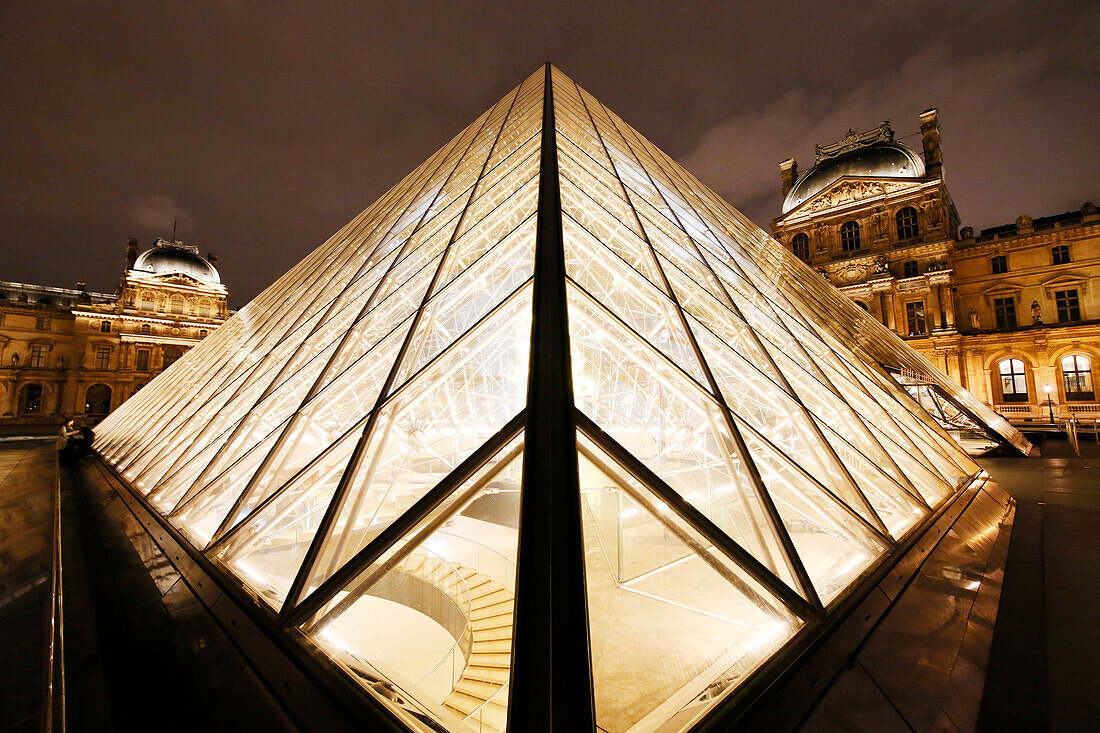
881, 160
168, 258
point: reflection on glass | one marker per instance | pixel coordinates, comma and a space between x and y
433, 615
673, 625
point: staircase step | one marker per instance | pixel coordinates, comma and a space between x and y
491, 659
478, 688
493, 610
499, 621
492, 716
496, 633
490, 599
497, 675
494, 646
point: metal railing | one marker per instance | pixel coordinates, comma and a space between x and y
54, 719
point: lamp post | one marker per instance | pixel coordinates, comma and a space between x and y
1050, 402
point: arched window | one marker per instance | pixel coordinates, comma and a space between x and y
800, 245
30, 399
177, 304
1077, 377
1013, 380
1059, 254
849, 236
147, 300
861, 304
97, 400
907, 223
146, 328
203, 310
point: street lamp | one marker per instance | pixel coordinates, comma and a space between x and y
1050, 402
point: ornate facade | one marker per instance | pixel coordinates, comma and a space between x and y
1012, 313
67, 352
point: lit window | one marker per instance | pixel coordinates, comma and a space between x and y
999, 264
914, 313
105, 326
147, 300
142, 360
907, 223
102, 357
1069, 307
1004, 310
911, 269
1060, 254
849, 236
177, 305
1077, 377
38, 355
1013, 380
800, 245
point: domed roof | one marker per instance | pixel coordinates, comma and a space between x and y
170, 258
881, 160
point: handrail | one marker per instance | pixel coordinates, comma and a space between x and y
465, 629
55, 685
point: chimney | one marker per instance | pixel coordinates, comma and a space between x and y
81, 286
131, 253
788, 172
930, 139
212, 258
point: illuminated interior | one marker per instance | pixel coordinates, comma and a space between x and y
352, 441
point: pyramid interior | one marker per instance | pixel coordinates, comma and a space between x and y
352, 440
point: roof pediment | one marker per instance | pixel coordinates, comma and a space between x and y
852, 189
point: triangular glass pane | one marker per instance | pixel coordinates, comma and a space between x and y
267, 549
433, 615
620, 289
479, 289
657, 590
664, 419
431, 424
834, 545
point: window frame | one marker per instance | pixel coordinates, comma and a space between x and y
1059, 254
850, 236
1067, 305
911, 268
1079, 376
800, 246
916, 318
906, 224
998, 264
1004, 312
1015, 379
102, 358
39, 356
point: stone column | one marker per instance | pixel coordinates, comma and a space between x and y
933, 308
948, 300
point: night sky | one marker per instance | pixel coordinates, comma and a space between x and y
264, 127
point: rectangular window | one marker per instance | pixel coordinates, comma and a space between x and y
1004, 310
102, 357
999, 264
914, 313
910, 268
1069, 308
38, 355
1060, 254
42, 324
105, 326
142, 360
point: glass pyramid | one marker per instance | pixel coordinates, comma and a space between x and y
549, 398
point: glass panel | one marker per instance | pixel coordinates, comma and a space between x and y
657, 590
665, 420
432, 424
433, 615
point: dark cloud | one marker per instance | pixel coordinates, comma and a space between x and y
265, 127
